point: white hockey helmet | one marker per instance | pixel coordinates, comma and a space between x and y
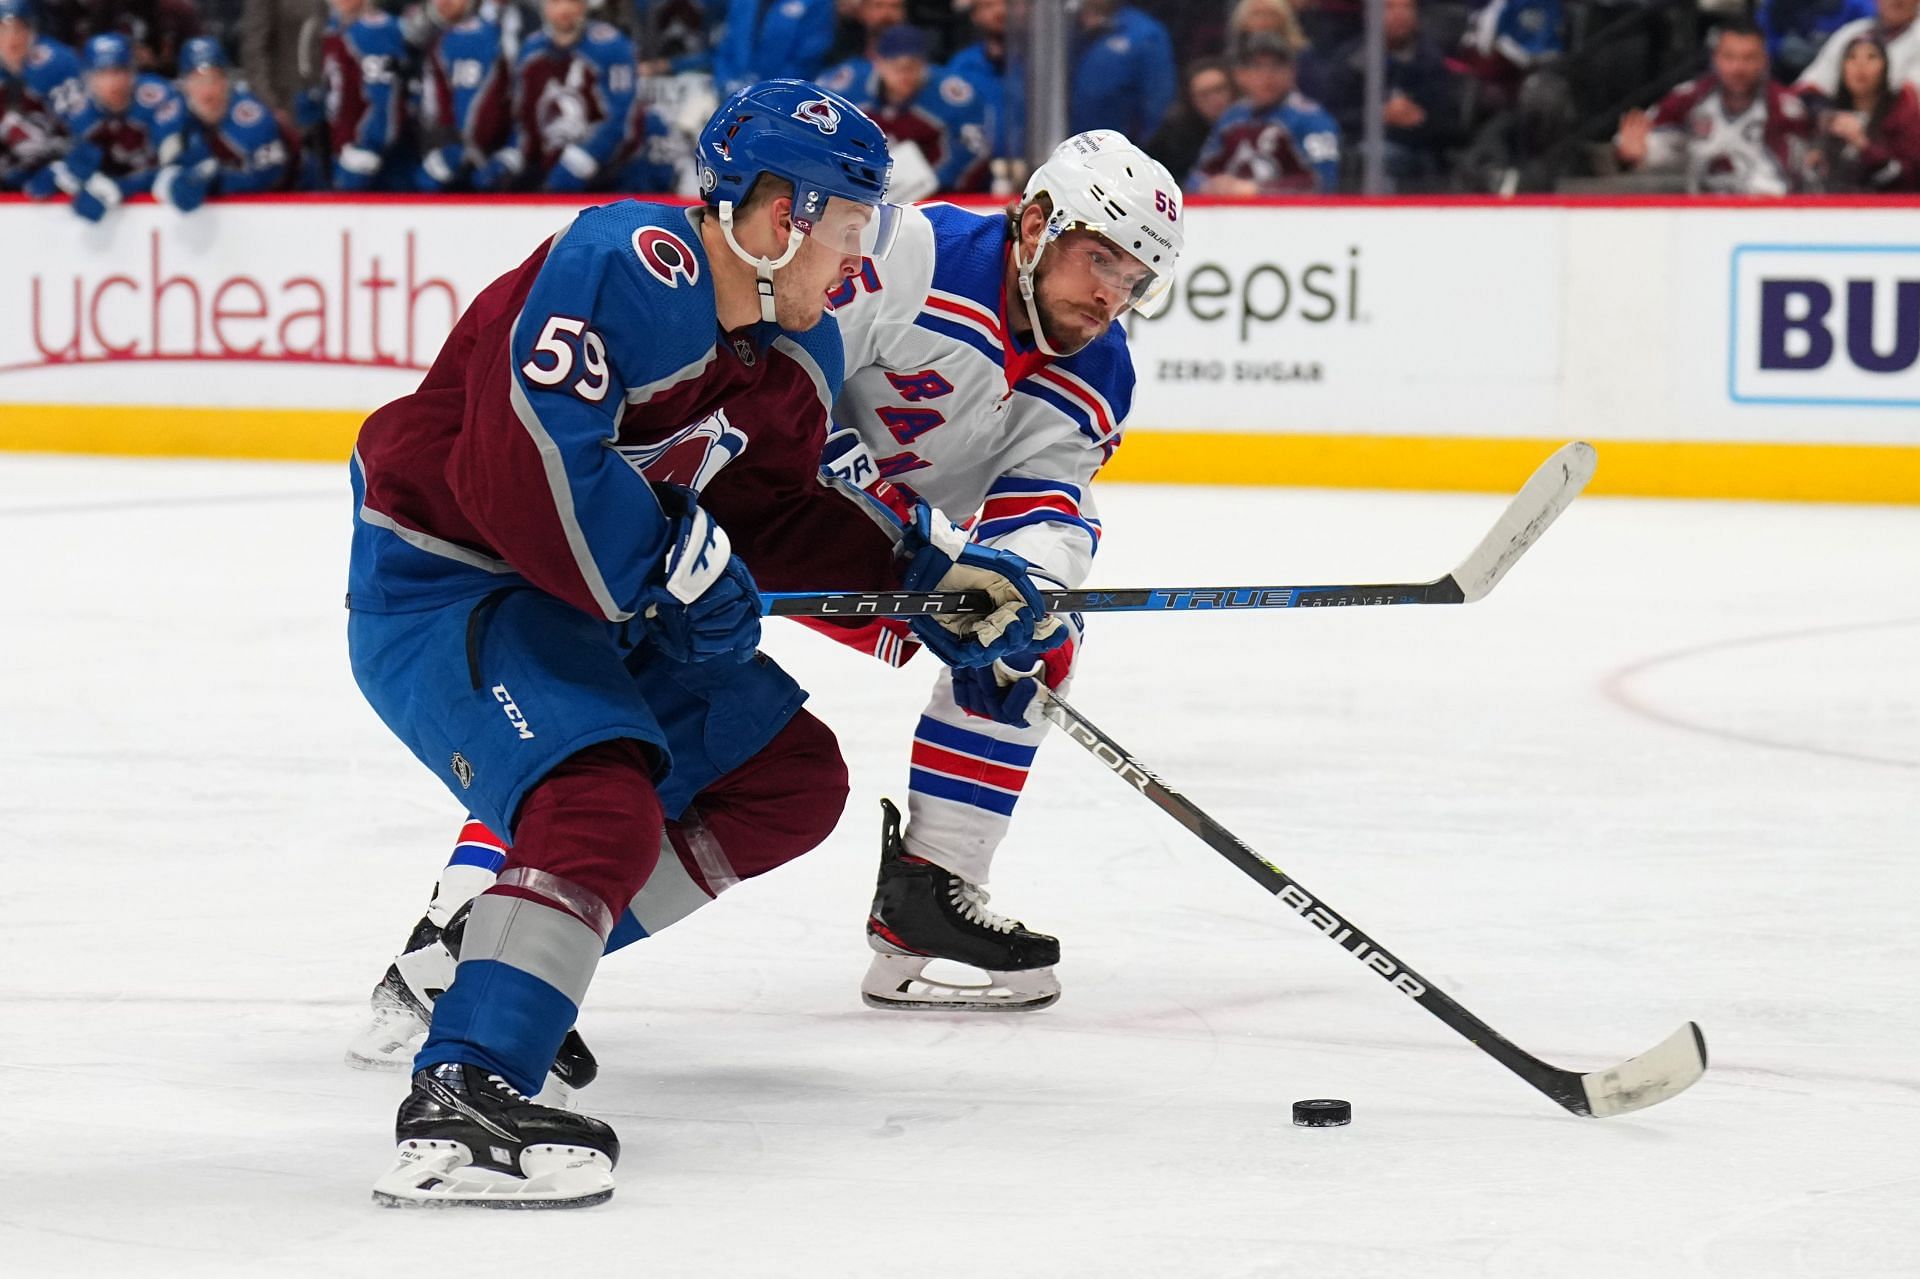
1099, 181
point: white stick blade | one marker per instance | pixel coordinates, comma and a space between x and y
1536, 506
1665, 1070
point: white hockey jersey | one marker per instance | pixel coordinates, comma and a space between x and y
950, 403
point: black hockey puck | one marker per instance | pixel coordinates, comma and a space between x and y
1322, 1112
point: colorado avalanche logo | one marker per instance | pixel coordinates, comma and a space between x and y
819, 113
692, 456
666, 256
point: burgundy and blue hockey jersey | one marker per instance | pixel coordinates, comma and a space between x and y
464, 99
245, 150
135, 143
1290, 147
37, 109
576, 115
571, 383
949, 120
363, 62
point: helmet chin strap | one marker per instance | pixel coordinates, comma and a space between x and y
763, 268
1026, 271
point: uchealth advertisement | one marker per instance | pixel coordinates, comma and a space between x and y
1768, 351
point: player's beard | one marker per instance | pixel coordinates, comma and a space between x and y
1070, 323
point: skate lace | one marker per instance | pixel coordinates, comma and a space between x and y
971, 901
507, 1088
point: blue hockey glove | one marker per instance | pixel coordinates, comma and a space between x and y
356, 168
576, 168
98, 194
186, 189
499, 172
438, 170
943, 560
1005, 691
704, 605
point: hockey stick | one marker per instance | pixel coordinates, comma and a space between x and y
1537, 504
1667, 1069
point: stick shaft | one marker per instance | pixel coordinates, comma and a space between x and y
1141, 599
1560, 1085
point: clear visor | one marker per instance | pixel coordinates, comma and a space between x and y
1144, 289
858, 230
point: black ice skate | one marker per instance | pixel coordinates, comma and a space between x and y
468, 1139
402, 1010
923, 912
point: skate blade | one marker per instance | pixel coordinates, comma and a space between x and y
439, 1174
389, 1041
900, 983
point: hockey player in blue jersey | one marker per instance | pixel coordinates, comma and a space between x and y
463, 97
566, 638
233, 144
1274, 140
40, 94
985, 368
129, 128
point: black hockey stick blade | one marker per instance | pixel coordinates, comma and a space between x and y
1535, 507
1666, 1070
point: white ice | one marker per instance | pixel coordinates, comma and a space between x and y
1667, 771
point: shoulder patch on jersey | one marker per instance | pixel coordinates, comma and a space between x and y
603, 33
666, 256
40, 56
149, 94
839, 79
1119, 44
375, 20
956, 91
247, 112
795, 9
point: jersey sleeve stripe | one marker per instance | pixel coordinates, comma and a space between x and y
989, 529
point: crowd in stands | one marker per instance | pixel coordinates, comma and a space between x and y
102, 99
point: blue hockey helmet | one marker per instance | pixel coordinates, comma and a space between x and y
109, 52
793, 129
200, 53
18, 11
798, 132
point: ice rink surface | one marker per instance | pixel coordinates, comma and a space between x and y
1668, 770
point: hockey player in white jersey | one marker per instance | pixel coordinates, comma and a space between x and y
987, 370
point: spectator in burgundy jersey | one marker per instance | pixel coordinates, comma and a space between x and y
1209, 92
937, 124
1870, 140
1732, 131
1274, 140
